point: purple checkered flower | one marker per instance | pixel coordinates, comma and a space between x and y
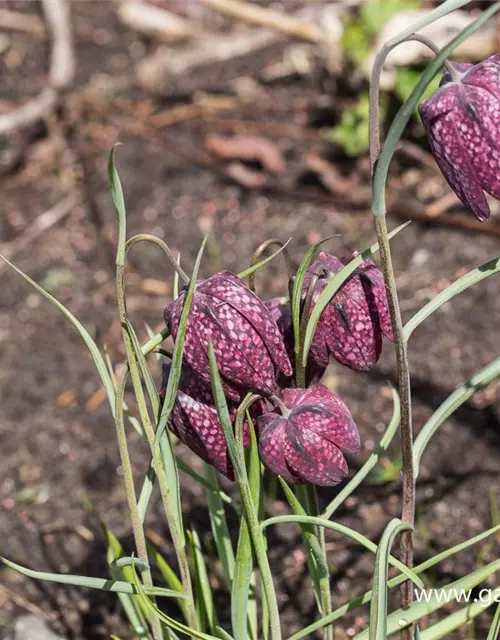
351, 327
462, 120
194, 420
248, 346
304, 443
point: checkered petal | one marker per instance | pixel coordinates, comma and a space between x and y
271, 446
462, 123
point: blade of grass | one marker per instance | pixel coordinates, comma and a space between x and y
477, 382
378, 608
206, 601
97, 357
218, 523
494, 632
350, 533
249, 508
255, 267
331, 289
366, 597
372, 461
403, 618
443, 628
103, 584
486, 270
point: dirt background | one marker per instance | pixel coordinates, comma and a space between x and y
60, 473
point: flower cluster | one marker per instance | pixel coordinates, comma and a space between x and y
302, 432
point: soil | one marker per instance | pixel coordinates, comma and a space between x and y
60, 473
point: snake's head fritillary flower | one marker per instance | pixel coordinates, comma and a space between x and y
306, 441
351, 327
248, 346
195, 421
462, 120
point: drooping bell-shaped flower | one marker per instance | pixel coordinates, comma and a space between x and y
195, 421
351, 327
282, 315
304, 443
462, 120
248, 346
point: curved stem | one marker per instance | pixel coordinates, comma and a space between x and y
147, 237
278, 403
378, 66
260, 250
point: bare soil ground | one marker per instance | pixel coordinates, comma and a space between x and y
60, 473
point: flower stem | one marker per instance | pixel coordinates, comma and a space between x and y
135, 518
260, 250
147, 237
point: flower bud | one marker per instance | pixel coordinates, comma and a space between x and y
305, 443
462, 120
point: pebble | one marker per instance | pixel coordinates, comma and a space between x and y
29, 627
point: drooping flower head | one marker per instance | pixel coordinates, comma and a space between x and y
352, 325
305, 442
195, 421
248, 346
462, 120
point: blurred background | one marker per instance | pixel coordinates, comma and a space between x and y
248, 120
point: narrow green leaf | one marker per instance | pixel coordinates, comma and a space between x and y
155, 341
255, 267
366, 597
350, 533
298, 285
119, 202
372, 461
465, 616
97, 357
451, 404
256, 491
494, 632
167, 620
208, 485
333, 286
136, 617
218, 523
486, 270
167, 573
203, 581
224, 635
378, 610
403, 618
104, 584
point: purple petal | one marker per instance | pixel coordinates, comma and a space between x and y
313, 458
208, 434
271, 443
230, 289
485, 75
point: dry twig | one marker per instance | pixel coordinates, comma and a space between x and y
276, 20
17, 21
62, 63
154, 21
41, 224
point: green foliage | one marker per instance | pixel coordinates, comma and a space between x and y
352, 134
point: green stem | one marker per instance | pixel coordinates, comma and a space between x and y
155, 452
147, 237
128, 476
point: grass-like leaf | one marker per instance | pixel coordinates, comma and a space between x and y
486, 270
255, 267
403, 618
494, 632
205, 599
97, 357
372, 461
218, 523
331, 289
451, 404
366, 597
350, 533
298, 284
103, 584
119, 202
378, 609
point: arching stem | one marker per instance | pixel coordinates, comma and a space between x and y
146, 237
258, 253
